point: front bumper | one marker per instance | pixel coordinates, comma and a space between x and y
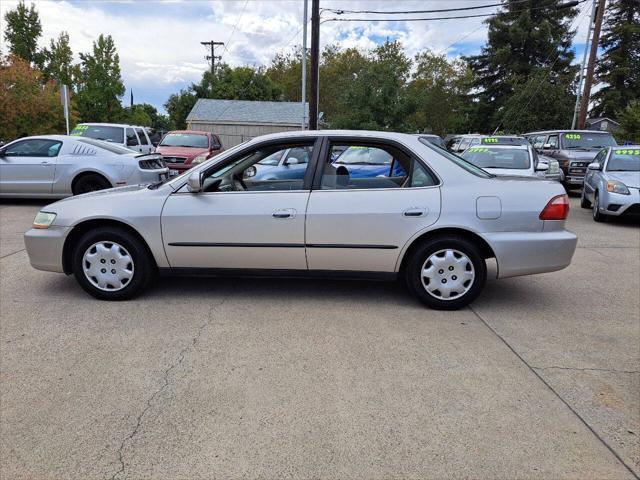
618, 205
44, 247
526, 253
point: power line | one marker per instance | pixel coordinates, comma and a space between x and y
226, 47
431, 19
397, 12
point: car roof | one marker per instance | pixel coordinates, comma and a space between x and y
519, 146
123, 125
339, 133
624, 147
568, 130
195, 132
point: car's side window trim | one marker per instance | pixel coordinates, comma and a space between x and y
53, 142
324, 155
285, 143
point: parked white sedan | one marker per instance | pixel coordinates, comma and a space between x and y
432, 222
59, 166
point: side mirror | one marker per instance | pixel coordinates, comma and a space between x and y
194, 182
292, 161
594, 166
542, 167
548, 146
215, 146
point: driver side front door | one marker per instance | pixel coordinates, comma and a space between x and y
240, 224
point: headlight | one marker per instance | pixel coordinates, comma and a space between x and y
617, 187
199, 159
43, 220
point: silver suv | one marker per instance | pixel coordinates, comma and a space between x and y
573, 149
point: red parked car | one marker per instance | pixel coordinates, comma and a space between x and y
183, 149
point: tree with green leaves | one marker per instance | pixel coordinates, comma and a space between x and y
237, 83
22, 31
629, 118
99, 83
528, 49
27, 105
178, 107
438, 94
58, 61
618, 69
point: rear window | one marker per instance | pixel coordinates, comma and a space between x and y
100, 132
461, 162
110, 147
587, 140
504, 141
487, 157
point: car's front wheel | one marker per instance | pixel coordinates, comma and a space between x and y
446, 272
597, 216
112, 264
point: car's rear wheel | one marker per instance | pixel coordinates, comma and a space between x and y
112, 264
446, 272
90, 182
597, 216
584, 203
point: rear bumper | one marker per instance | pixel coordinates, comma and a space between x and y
44, 247
526, 253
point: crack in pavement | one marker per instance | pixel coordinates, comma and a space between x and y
12, 253
163, 387
560, 397
586, 369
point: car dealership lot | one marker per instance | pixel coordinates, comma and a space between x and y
204, 378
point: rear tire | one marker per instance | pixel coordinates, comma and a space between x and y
446, 272
597, 216
90, 182
584, 203
112, 264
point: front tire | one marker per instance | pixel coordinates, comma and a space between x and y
446, 272
112, 264
584, 203
597, 216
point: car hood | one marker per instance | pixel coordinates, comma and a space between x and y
189, 152
582, 154
630, 179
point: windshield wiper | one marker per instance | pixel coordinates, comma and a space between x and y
155, 185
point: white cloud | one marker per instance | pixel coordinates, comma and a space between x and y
159, 41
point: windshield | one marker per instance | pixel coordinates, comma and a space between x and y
624, 160
191, 140
587, 140
100, 132
487, 157
110, 147
364, 156
459, 161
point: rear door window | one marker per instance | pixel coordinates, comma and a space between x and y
132, 140
142, 136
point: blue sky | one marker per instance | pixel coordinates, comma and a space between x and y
159, 40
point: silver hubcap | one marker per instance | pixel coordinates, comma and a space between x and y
108, 266
447, 274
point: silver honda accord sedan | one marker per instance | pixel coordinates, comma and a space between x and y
432, 223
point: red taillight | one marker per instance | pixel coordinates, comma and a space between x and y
556, 209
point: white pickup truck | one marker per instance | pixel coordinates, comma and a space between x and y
130, 136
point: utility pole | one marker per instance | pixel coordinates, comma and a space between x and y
576, 109
304, 65
584, 101
315, 64
213, 56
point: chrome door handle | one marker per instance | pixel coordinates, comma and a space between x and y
414, 212
46, 164
284, 213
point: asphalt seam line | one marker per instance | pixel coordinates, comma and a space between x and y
586, 369
532, 369
150, 401
12, 253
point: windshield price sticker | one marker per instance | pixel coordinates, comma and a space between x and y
628, 151
478, 150
490, 140
573, 136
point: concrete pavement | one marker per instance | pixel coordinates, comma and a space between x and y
212, 378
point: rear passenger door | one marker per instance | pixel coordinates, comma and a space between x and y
360, 223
